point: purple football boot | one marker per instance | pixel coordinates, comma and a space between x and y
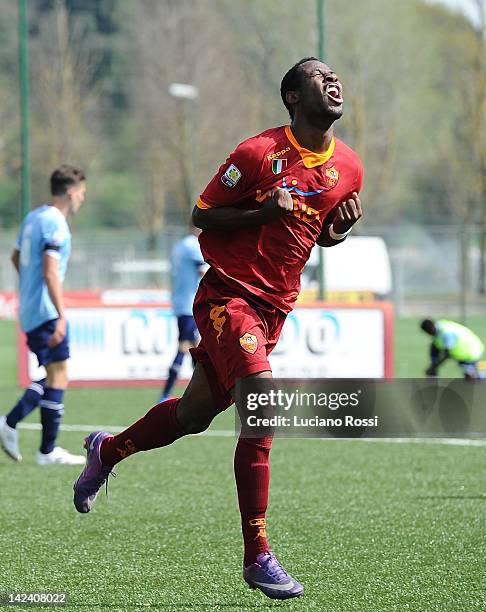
94, 475
270, 577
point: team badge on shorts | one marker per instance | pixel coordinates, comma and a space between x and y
231, 176
249, 343
331, 176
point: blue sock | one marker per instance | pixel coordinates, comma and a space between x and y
173, 373
52, 410
29, 400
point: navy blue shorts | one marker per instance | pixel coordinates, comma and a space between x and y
37, 342
187, 329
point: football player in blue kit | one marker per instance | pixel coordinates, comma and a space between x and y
40, 257
187, 266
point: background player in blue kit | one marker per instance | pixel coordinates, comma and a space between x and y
187, 265
40, 257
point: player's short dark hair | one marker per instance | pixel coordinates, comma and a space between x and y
64, 177
428, 326
292, 81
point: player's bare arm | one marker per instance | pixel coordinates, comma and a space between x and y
278, 203
15, 259
54, 287
347, 214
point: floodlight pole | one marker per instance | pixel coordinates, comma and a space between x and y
24, 106
189, 93
322, 25
321, 55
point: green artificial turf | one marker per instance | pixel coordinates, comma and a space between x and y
366, 526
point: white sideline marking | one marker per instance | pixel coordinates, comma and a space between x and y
89, 428
117, 429
228, 433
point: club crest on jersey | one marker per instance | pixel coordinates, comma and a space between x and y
331, 176
249, 343
278, 165
231, 176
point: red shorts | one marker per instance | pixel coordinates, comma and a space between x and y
238, 332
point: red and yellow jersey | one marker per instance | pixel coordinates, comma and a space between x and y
267, 261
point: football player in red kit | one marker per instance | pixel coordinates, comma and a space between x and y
275, 197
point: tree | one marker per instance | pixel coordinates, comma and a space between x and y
9, 119
479, 131
65, 93
181, 142
101, 71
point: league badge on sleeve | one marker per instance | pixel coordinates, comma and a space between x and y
231, 176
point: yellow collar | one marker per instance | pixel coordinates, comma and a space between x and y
310, 158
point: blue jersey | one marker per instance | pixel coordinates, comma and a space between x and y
44, 229
186, 274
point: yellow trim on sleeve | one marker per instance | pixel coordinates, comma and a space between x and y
203, 205
310, 158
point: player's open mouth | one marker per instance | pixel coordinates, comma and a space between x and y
333, 93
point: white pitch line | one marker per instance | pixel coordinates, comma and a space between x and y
89, 428
118, 428
228, 433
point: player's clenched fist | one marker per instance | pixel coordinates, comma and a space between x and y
347, 214
278, 203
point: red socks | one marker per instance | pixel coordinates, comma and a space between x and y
159, 427
252, 473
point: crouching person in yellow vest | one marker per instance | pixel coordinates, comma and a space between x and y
453, 341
